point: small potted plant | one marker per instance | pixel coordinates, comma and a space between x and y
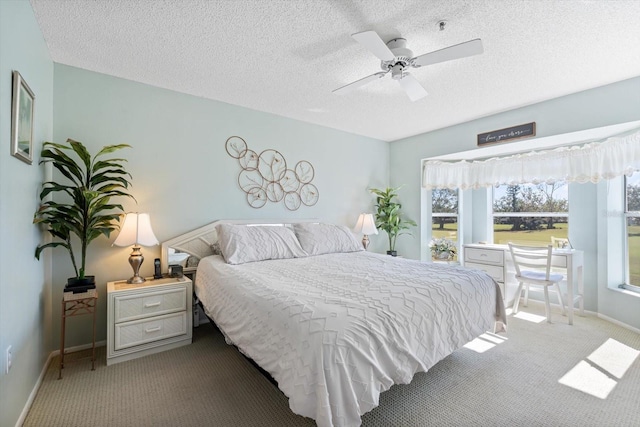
443, 249
388, 217
84, 207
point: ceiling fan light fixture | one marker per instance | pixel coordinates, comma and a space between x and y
396, 72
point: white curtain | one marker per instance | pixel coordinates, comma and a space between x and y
615, 156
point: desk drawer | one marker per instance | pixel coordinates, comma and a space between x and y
490, 256
139, 306
559, 261
139, 332
496, 272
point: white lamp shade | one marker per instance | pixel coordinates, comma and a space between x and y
366, 224
136, 230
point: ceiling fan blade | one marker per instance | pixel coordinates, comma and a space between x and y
358, 83
412, 87
462, 50
372, 41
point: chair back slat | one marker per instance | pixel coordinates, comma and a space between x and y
533, 257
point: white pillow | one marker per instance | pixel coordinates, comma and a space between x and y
318, 239
179, 258
242, 243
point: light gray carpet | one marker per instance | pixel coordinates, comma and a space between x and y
514, 383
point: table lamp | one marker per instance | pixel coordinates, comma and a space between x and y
136, 231
365, 225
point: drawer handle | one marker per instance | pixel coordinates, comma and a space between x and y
156, 329
152, 304
484, 255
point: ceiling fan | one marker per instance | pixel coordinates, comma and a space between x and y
397, 59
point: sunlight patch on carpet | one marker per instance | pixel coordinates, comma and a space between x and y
591, 375
588, 379
529, 317
614, 357
485, 342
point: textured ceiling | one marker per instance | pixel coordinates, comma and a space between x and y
286, 56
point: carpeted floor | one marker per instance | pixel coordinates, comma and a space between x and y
538, 374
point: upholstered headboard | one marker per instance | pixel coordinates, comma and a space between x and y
197, 243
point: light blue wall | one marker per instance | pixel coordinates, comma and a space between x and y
25, 295
608, 105
183, 177
182, 174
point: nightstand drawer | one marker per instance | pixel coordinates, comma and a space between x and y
484, 256
496, 272
132, 307
139, 332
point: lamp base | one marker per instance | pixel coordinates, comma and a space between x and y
136, 279
365, 241
135, 260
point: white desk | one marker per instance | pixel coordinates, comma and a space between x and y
482, 256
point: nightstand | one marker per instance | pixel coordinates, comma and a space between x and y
489, 259
147, 318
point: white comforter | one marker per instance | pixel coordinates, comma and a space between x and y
337, 330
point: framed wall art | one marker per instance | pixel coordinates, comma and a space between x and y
22, 108
527, 130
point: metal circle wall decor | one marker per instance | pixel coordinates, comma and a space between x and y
290, 181
236, 147
249, 161
292, 201
272, 165
257, 197
304, 171
265, 177
309, 194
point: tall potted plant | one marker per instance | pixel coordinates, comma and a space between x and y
388, 216
84, 207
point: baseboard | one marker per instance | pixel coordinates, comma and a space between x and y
619, 323
576, 312
32, 395
36, 387
102, 343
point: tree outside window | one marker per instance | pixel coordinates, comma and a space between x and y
530, 213
444, 214
632, 190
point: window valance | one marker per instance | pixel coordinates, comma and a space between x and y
614, 156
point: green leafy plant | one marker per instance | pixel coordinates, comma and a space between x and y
84, 205
388, 217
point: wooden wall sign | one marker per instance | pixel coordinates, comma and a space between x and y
526, 130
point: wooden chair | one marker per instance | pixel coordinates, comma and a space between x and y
533, 267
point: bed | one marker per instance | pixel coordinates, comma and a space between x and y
334, 325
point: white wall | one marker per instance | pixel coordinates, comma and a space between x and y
608, 105
25, 294
182, 174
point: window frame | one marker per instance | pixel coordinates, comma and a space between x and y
628, 214
456, 215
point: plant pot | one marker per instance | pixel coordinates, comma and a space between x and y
72, 282
77, 285
392, 253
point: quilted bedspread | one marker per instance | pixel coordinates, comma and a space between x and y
336, 330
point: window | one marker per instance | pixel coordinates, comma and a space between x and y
444, 214
531, 214
632, 212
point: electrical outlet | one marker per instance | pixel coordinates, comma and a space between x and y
9, 360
